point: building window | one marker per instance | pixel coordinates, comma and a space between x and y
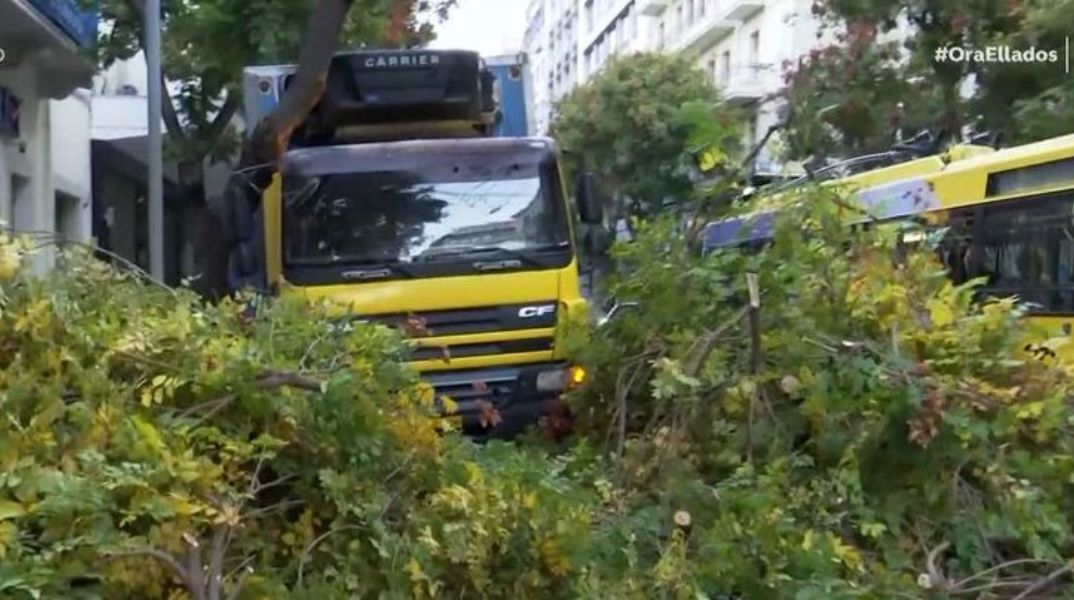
22, 204
712, 70
725, 67
701, 8
690, 12
661, 36
680, 25
632, 17
755, 50
67, 216
589, 15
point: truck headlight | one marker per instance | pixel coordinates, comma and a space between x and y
552, 381
558, 380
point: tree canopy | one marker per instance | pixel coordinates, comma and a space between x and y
207, 43
854, 96
626, 125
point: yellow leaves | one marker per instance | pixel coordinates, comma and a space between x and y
842, 552
710, 158
161, 388
846, 554
148, 435
529, 500
473, 473
940, 312
10, 259
554, 558
8, 536
1031, 410
34, 316
182, 505
10, 510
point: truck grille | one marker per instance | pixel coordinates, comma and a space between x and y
482, 349
513, 317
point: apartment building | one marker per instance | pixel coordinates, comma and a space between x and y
744, 45
45, 118
551, 44
609, 28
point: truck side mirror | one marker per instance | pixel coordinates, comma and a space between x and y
587, 194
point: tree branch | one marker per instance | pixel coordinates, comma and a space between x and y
196, 575
223, 116
1044, 583
269, 139
277, 379
284, 505
221, 536
168, 560
704, 345
313, 544
935, 575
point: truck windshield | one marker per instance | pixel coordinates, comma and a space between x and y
448, 212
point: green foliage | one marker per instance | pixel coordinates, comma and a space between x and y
885, 439
891, 437
626, 125
207, 43
873, 84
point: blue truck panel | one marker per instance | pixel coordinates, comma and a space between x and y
511, 91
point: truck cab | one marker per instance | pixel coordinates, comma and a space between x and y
397, 203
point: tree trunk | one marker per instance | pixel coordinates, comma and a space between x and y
269, 139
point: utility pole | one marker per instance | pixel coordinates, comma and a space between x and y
156, 150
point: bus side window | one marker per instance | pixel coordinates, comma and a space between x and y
956, 245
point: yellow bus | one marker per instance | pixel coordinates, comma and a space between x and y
1009, 214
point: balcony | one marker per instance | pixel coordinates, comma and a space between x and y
744, 85
54, 37
702, 36
740, 10
653, 8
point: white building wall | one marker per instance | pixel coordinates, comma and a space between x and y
50, 155
70, 121
551, 42
746, 47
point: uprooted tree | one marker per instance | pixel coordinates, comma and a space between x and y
207, 43
827, 418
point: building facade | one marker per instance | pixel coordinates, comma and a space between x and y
746, 47
120, 184
609, 28
551, 45
45, 183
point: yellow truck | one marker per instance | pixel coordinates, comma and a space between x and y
397, 202
1009, 214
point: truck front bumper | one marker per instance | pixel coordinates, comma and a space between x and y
501, 402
